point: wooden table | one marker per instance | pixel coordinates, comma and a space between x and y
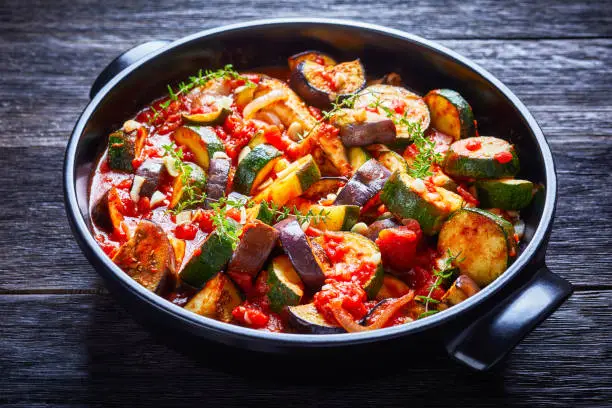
65, 342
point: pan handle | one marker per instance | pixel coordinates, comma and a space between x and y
488, 339
123, 61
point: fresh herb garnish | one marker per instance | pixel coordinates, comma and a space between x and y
192, 194
200, 79
224, 226
445, 272
284, 212
340, 103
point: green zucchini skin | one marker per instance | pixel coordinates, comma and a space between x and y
482, 241
357, 157
121, 151
450, 113
285, 287
404, 202
256, 161
481, 164
506, 194
306, 318
216, 253
208, 119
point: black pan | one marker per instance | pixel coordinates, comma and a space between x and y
477, 332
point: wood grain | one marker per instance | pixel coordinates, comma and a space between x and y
93, 353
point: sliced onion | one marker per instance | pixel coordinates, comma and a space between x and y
183, 217
270, 119
157, 198
345, 319
136, 186
294, 131
171, 168
261, 102
519, 228
220, 155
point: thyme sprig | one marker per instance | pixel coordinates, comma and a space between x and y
200, 79
284, 212
441, 274
193, 194
340, 103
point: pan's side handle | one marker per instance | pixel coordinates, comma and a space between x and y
123, 61
488, 339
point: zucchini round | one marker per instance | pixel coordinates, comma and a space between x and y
337, 217
121, 150
202, 141
208, 119
307, 319
357, 157
481, 157
285, 288
480, 240
507, 194
450, 113
407, 197
255, 167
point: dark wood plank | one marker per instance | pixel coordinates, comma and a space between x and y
437, 19
74, 350
565, 83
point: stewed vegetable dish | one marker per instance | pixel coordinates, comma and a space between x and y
313, 199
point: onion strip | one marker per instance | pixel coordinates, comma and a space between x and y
261, 102
345, 319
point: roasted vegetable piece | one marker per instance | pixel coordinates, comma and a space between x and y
213, 118
377, 226
124, 147
334, 217
507, 194
450, 113
359, 127
256, 243
150, 170
314, 56
398, 246
407, 197
182, 193
297, 246
291, 182
320, 85
463, 288
217, 299
255, 167
285, 288
214, 253
218, 178
396, 103
202, 141
483, 243
392, 161
481, 157
357, 157
148, 257
324, 187
307, 319
106, 213
392, 287
368, 180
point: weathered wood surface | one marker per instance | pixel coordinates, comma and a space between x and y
65, 342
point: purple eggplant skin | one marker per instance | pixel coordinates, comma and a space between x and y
218, 176
366, 319
368, 180
369, 132
316, 56
377, 226
297, 246
317, 97
257, 242
307, 319
151, 170
100, 213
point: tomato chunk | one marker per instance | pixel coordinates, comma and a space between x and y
398, 246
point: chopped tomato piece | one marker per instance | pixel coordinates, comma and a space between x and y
398, 246
467, 196
186, 231
503, 157
352, 295
473, 144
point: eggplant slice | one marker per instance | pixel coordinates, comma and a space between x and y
368, 180
218, 177
314, 56
359, 127
150, 170
321, 85
307, 319
148, 257
258, 240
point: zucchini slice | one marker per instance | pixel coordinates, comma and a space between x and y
367, 181
319, 85
392, 287
215, 252
307, 319
396, 102
407, 197
123, 147
507, 194
301, 253
258, 139
202, 141
197, 180
358, 250
324, 187
314, 56
148, 257
450, 113
256, 243
481, 157
285, 288
336, 217
482, 241
255, 167
291, 182
213, 118
217, 299
392, 161
357, 157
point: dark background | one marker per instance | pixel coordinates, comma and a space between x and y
65, 342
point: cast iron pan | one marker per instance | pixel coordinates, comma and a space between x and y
478, 332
